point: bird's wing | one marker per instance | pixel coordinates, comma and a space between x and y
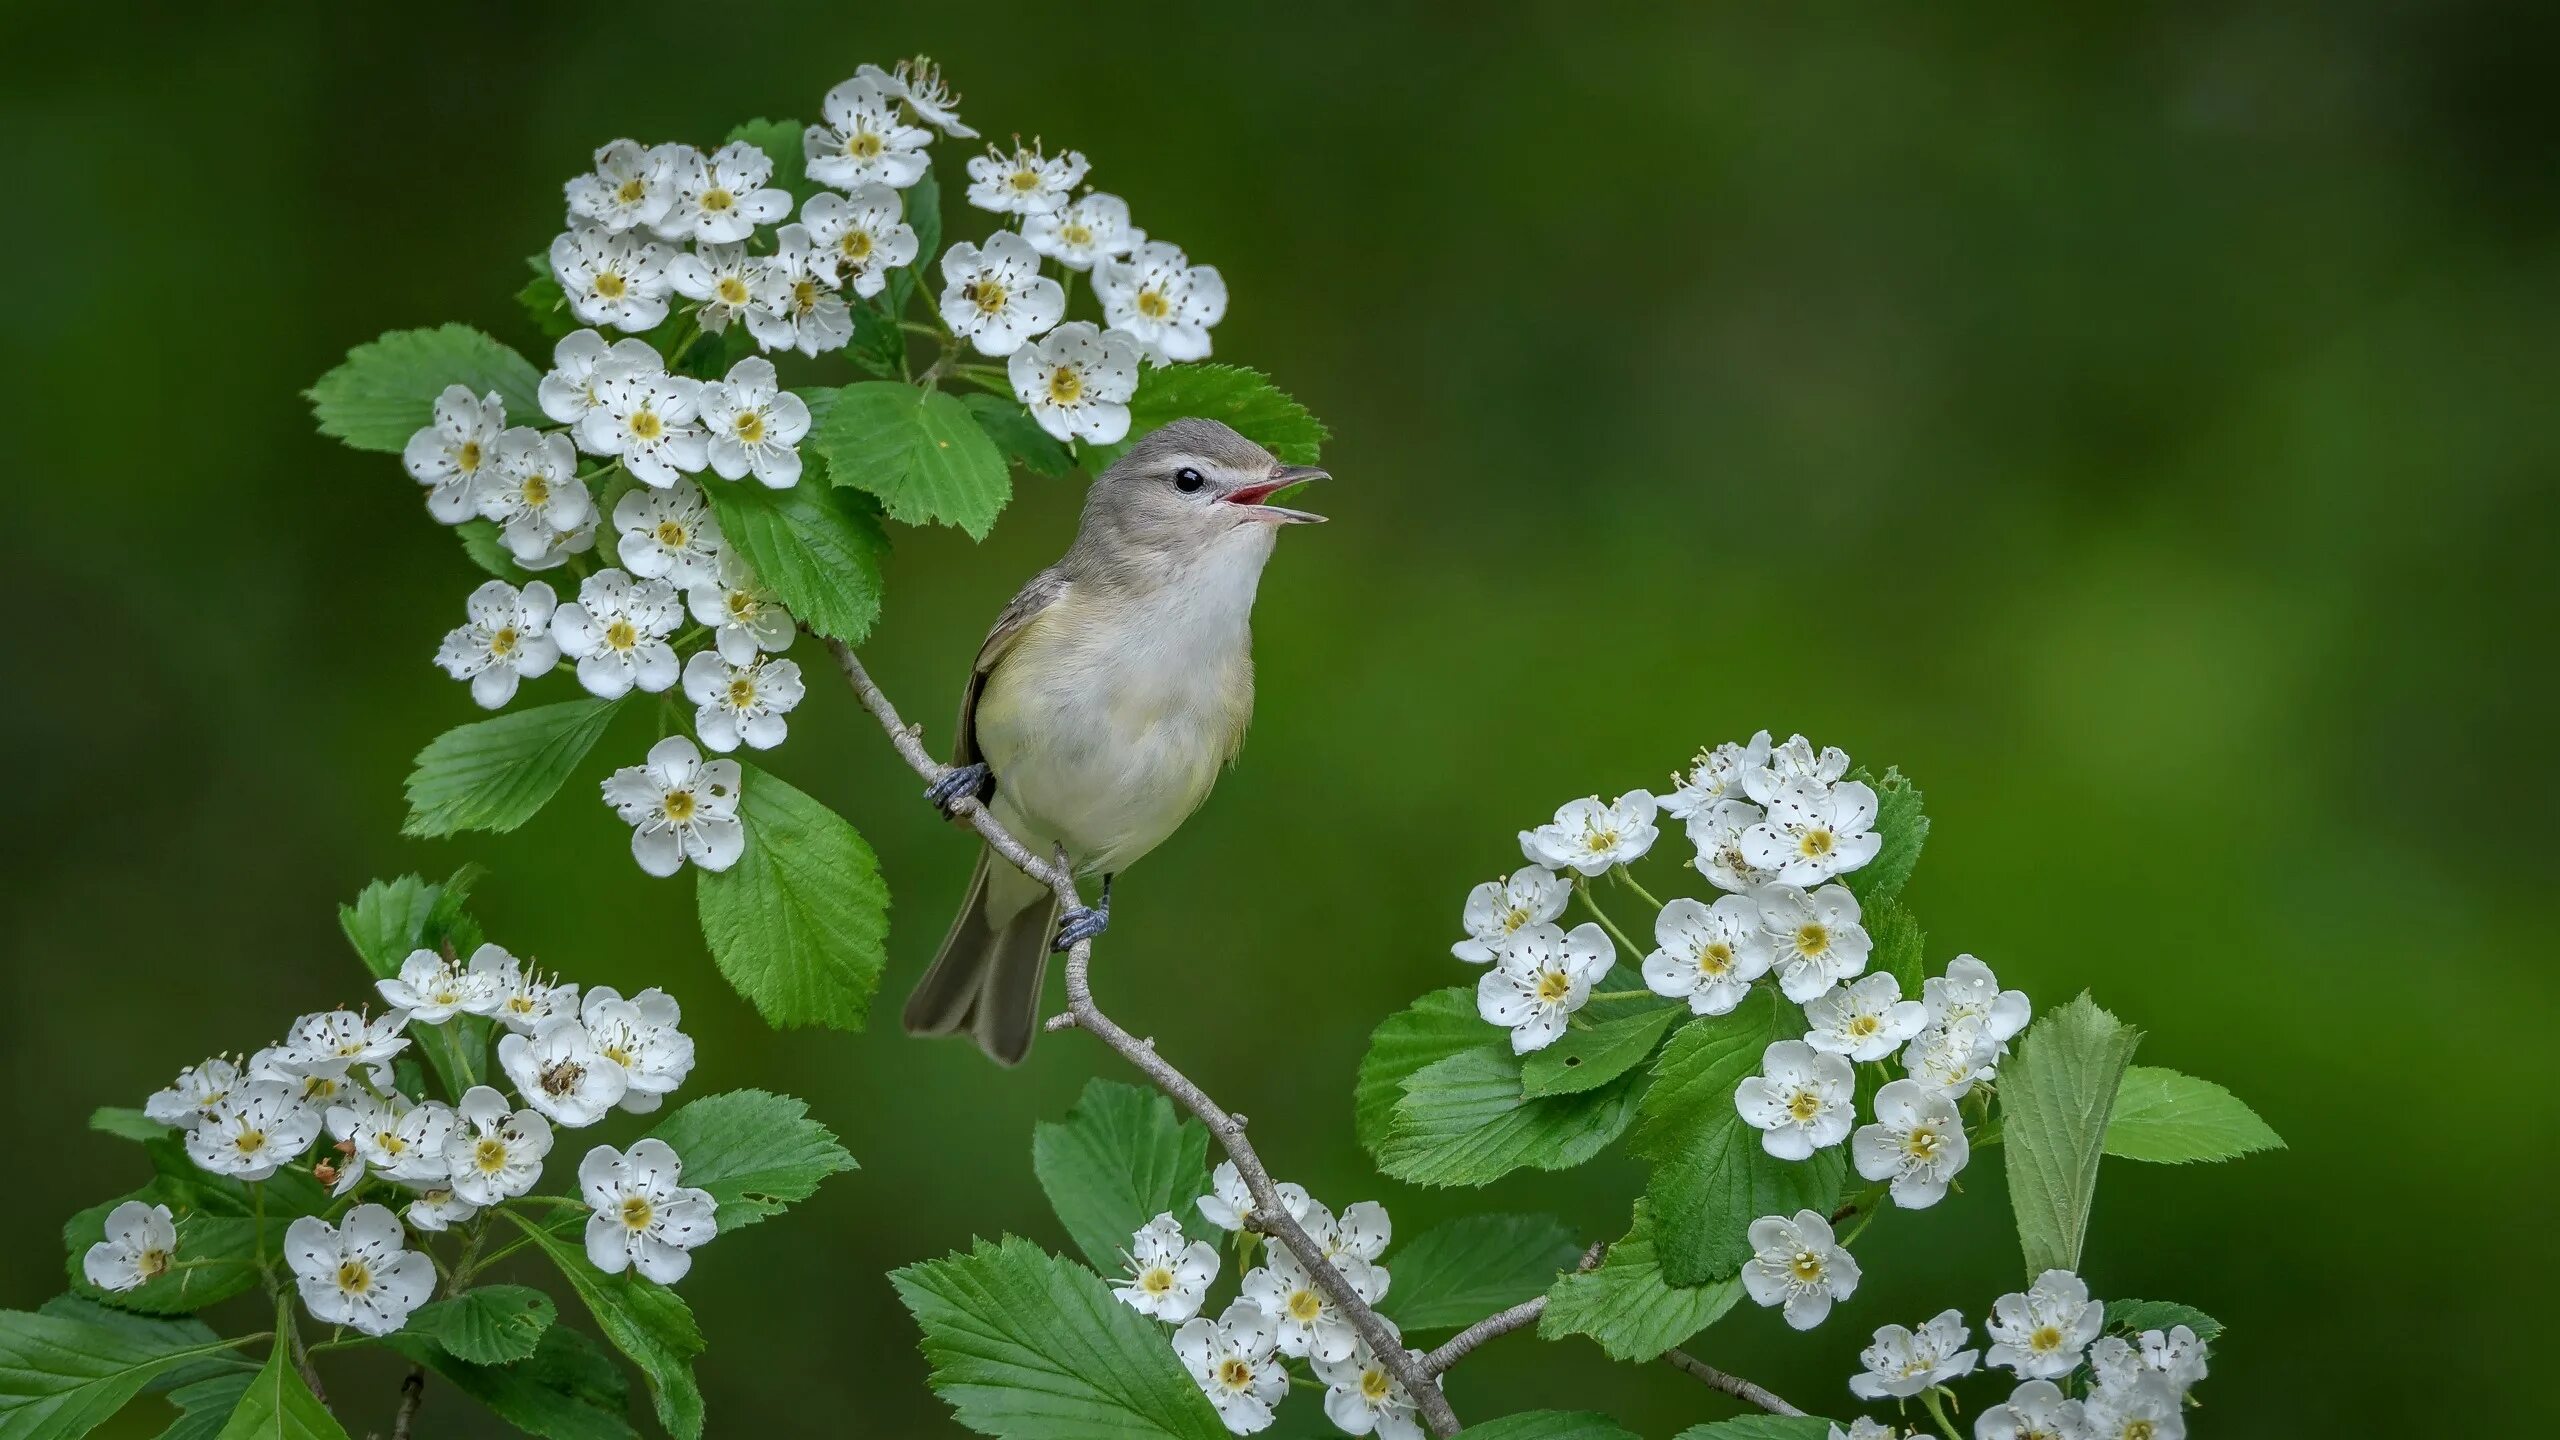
1042, 591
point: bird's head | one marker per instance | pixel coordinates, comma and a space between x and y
1191, 487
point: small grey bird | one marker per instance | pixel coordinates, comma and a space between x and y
1102, 706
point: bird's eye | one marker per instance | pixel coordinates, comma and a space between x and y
1187, 480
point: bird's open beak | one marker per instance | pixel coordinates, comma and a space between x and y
1283, 478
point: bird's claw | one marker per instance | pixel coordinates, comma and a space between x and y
946, 792
1081, 924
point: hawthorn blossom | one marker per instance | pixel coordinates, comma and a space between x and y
358, 1274
331, 1041
2174, 1355
507, 638
631, 186
1866, 1427
1362, 1232
1918, 1143
617, 631
1707, 954
669, 535
254, 1131
140, 1242
193, 1095
1795, 760
864, 140
1228, 1205
2150, 1408
748, 618
2042, 1332
1950, 1059
1076, 381
1167, 1279
1816, 938
919, 83
2035, 1410
1800, 1102
1498, 909
755, 425
1813, 832
1233, 1360
721, 199
1361, 1397
454, 450
533, 493
437, 1208
740, 703
495, 1153
640, 1036
1969, 994
1903, 1362
646, 419
1541, 977
519, 998
1717, 832
680, 808
1157, 297
581, 362
611, 279
560, 1072
1025, 182
794, 305
643, 1219
1799, 1266
1588, 836
389, 1136
1715, 777
865, 233
995, 297
1305, 1320
1084, 232
434, 987
722, 277
1866, 1019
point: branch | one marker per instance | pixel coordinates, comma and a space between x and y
1270, 1216
413, 1390
1501, 1322
1734, 1385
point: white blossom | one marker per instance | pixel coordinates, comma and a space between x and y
1540, 977
740, 703
1715, 777
533, 493
1166, 1279
648, 420
254, 1131
1233, 1361
611, 279
1076, 381
193, 1095
1918, 1143
1305, 1320
680, 808
795, 305
1816, 938
1866, 1427
2041, 1333
315, 1084
1903, 1362
1588, 836
1084, 232
720, 200
495, 1153
1968, 994
506, 638
721, 277
1866, 1019
755, 425
1362, 1232
2176, 1353
331, 1041
1813, 832
358, 1274
1797, 1264
1361, 1396
1157, 297
434, 988
640, 1036
617, 631
140, 1242
387, 1135
863, 232
864, 140
559, 1071
2035, 1410
644, 1219
1717, 832
669, 535
1707, 954
1793, 761
452, 452
1228, 1205
1950, 1059
632, 185
2148, 1409
996, 298
437, 1208
1025, 182
747, 618
1802, 1101
1498, 909
519, 998
581, 362
919, 83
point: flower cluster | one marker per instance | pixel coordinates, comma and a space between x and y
1240, 1358
571, 1057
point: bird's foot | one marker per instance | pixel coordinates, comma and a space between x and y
1080, 924
946, 792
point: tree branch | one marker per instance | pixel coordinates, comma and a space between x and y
1270, 1216
413, 1390
1740, 1389
1502, 1322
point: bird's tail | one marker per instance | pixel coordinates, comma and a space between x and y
986, 980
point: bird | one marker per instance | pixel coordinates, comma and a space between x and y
1112, 692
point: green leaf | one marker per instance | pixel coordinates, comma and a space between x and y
1711, 1176
646, 1321
488, 1326
388, 920
1453, 1275
1018, 435
780, 141
800, 924
162, 1332
924, 215
205, 1406
480, 544
820, 549
1903, 826
1242, 398
61, 1377
386, 391
1031, 1347
2055, 1098
1435, 1027
1463, 1121
1901, 946
569, 1390
2171, 1119
1548, 1425
1120, 1159
878, 346
221, 1253
497, 774
1761, 1427
126, 1123
2132, 1317
1627, 1306
278, 1406
919, 452
758, 1153
1589, 1059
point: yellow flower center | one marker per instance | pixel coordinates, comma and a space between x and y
671, 533
2047, 1339
353, 1277
391, 1143
742, 606
151, 1264
1804, 1105
1922, 1144
1805, 1266
1514, 918
621, 635
536, 491
1025, 181
679, 805
1812, 939
1234, 1373
1305, 1306
1157, 1281
750, 428
1373, 1385
636, 1213
490, 1155
1153, 304
631, 191
611, 285
1815, 844
1076, 235
733, 291
742, 692
645, 425
468, 457
2138, 1430
804, 295
1715, 959
250, 1142
862, 145
1601, 842
986, 294
1553, 987
1862, 1027
855, 245
618, 1056
1065, 385
717, 200
503, 643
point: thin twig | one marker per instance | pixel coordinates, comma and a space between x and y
413, 1391
1270, 1215
1502, 1322
1746, 1391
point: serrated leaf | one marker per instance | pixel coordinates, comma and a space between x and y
1548, 1425
1463, 1121
481, 545
1627, 1306
646, 1321
1435, 1027
1904, 828
1119, 1159
62, 1377
1018, 435
496, 774
919, 452
126, 1123
278, 1406
1031, 1347
780, 141
388, 920
492, 1325
1761, 1427
569, 1390
1243, 399
205, 1406
2171, 1119
1589, 1059
167, 1332
385, 391
1901, 946
819, 548
756, 1152
878, 346
1453, 1275
2055, 1098
1711, 1176
2132, 1317
800, 924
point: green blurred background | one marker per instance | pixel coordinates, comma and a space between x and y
2136, 426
